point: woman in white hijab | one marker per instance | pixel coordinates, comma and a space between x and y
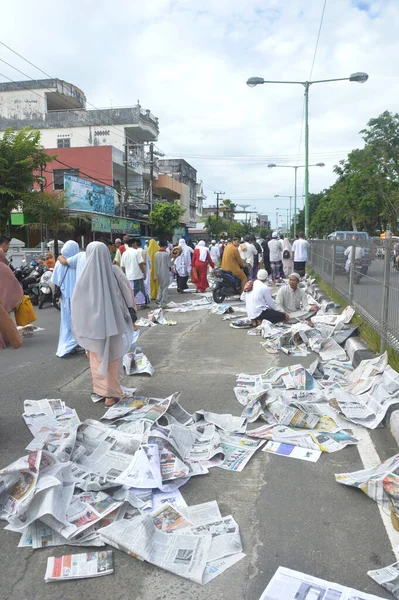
101, 322
183, 266
199, 266
288, 265
65, 278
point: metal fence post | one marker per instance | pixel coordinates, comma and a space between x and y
323, 258
334, 256
352, 272
385, 299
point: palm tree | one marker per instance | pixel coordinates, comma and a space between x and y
228, 207
51, 211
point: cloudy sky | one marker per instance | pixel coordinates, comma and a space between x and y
188, 61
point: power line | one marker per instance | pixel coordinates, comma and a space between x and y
51, 77
39, 96
310, 74
318, 38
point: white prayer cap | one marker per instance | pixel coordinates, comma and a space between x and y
274, 234
296, 275
213, 241
262, 274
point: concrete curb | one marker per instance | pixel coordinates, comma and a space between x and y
357, 350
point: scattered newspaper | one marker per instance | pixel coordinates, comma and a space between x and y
368, 408
79, 566
287, 584
225, 422
326, 441
292, 451
157, 316
136, 363
238, 450
181, 553
380, 483
330, 350
226, 539
200, 304
388, 577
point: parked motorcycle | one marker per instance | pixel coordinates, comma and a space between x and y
47, 289
30, 284
226, 284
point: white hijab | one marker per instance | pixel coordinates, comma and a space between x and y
287, 245
203, 251
64, 276
100, 320
183, 262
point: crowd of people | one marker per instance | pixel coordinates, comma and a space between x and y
103, 287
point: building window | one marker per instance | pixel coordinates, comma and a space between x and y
64, 142
58, 176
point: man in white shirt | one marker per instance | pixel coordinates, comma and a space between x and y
259, 302
120, 250
300, 254
291, 298
214, 251
359, 253
248, 252
276, 257
133, 266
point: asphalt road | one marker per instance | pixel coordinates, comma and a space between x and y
291, 513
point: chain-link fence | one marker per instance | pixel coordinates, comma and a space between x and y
365, 272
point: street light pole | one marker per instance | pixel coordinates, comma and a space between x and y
357, 77
296, 167
306, 158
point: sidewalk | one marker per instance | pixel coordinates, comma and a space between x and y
291, 513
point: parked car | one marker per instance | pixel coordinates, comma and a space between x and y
346, 237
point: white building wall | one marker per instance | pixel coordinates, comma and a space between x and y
185, 203
22, 103
102, 135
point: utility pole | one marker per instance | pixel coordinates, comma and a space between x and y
42, 168
125, 194
151, 177
217, 203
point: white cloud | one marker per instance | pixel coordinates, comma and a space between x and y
188, 60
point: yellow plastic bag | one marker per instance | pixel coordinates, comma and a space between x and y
24, 313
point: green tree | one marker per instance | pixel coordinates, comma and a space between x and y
164, 217
228, 208
382, 138
264, 232
20, 156
50, 211
215, 227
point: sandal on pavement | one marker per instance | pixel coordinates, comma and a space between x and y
111, 401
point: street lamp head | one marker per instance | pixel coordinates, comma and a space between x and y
271, 165
277, 195
359, 77
254, 81
320, 164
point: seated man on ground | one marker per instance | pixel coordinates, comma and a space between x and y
259, 302
291, 298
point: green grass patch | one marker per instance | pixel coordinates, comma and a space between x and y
367, 333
